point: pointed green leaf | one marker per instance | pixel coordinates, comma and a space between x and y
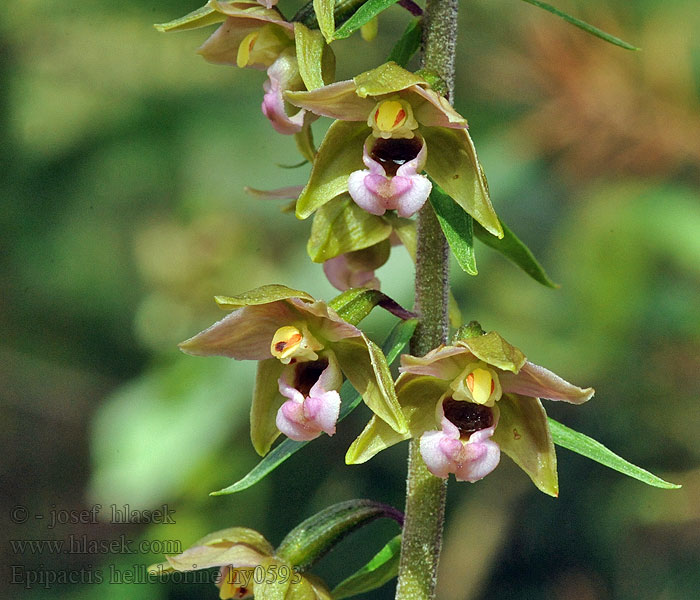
201, 17
366, 368
393, 346
453, 164
513, 249
408, 43
261, 295
364, 14
313, 538
383, 567
523, 434
583, 25
590, 448
266, 402
339, 155
325, 18
355, 304
457, 226
341, 226
309, 47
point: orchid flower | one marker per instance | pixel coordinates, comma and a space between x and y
468, 401
247, 567
254, 34
392, 122
304, 349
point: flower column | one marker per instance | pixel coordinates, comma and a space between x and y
425, 494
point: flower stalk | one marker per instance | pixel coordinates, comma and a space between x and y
425, 493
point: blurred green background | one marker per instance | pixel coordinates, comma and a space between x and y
123, 160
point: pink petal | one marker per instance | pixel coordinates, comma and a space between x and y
282, 74
538, 382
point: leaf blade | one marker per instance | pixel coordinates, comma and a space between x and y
408, 44
364, 14
457, 225
587, 27
593, 449
383, 567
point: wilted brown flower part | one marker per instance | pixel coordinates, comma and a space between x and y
597, 109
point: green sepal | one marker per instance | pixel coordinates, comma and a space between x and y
583, 25
590, 448
325, 18
494, 350
408, 44
365, 366
523, 434
388, 78
355, 304
383, 567
457, 226
309, 48
419, 395
341, 226
273, 587
517, 252
266, 402
201, 17
339, 155
314, 537
262, 295
364, 14
453, 164
395, 343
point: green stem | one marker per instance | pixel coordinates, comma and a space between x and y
425, 494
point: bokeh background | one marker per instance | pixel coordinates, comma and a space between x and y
123, 157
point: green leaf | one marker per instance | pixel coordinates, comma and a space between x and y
325, 18
339, 155
313, 538
513, 249
355, 304
583, 25
262, 295
590, 448
457, 227
365, 14
393, 346
383, 567
341, 226
408, 44
309, 48
197, 18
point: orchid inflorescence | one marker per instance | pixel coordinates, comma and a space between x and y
396, 148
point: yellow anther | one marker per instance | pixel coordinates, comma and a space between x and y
245, 48
285, 341
390, 115
481, 385
289, 343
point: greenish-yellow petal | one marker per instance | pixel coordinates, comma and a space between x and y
453, 164
523, 434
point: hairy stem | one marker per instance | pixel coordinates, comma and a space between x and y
425, 494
